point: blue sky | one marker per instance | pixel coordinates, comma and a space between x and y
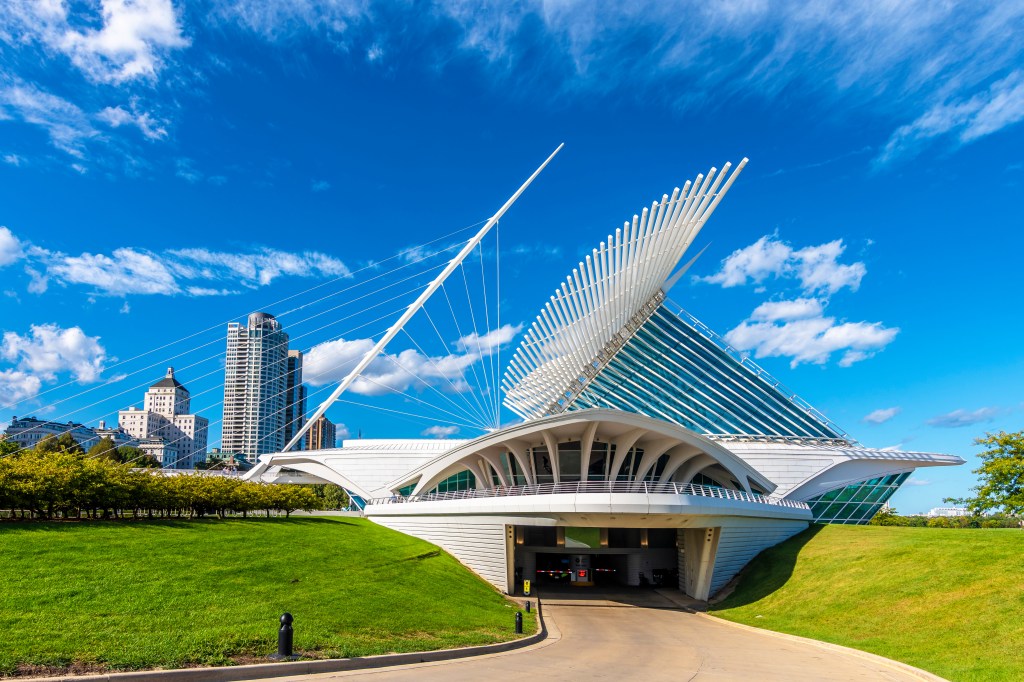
167, 166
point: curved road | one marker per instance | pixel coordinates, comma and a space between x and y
642, 636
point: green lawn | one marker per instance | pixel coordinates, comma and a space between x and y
947, 601
175, 593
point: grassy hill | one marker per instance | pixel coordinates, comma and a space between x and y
947, 601
168, 594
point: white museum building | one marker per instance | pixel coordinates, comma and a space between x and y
649, 451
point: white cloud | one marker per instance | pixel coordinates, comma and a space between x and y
917, 482
116, 117
883, 415
194, 272
437, 431
67, 126
765, 257
125, 271
261, 267
13, 159
10, 247
320, 186
341, 432
490, 342
331, 361
17, 386
817, 268
186, 170
984, 113
125, 309
208, 291
38, 282
895, 57
801, 308
958, 418
537, 249
914, 60
49, 349
807, 338
281, 19
126, 40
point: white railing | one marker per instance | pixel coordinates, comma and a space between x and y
585, 487
796, 440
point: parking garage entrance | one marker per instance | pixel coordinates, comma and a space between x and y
603, 557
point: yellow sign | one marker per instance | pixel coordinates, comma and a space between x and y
526, 588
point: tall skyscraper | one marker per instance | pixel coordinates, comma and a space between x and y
295, 399
255, 387
321, 435
164, 428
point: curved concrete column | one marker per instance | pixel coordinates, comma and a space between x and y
677, 457
623, 444
586, 446
652, 451
521, 452
694, 466
552, 445
494, 460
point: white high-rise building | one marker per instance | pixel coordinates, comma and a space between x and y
163, 426
255, 387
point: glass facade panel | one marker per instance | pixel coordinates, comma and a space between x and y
569, 462
623, 473
668, 370
464, 480
518, 476
542, 465
598, 462
855, 503
701, 479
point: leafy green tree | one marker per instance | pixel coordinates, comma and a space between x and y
1001, 474
8, 447
68, 444
137, 457
331, 496
47, 444
105, 448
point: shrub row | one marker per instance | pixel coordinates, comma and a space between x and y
68, 484
995, 521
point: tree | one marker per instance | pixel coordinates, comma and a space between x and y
105, 448
47, 444
137, 457
886, 516
68, 444
1001, 475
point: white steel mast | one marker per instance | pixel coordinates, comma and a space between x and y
415, 306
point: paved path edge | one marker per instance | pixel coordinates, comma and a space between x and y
904, 667
330, 665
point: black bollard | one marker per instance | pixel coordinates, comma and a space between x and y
519, 622
285, 636
527, 605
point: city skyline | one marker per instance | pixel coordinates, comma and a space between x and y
231, 159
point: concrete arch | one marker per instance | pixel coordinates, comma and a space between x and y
622, 429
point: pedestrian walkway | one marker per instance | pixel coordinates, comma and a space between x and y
643, 635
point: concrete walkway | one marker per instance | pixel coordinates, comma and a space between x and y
644, 636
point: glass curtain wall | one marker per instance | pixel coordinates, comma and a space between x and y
855, 503
668, 370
